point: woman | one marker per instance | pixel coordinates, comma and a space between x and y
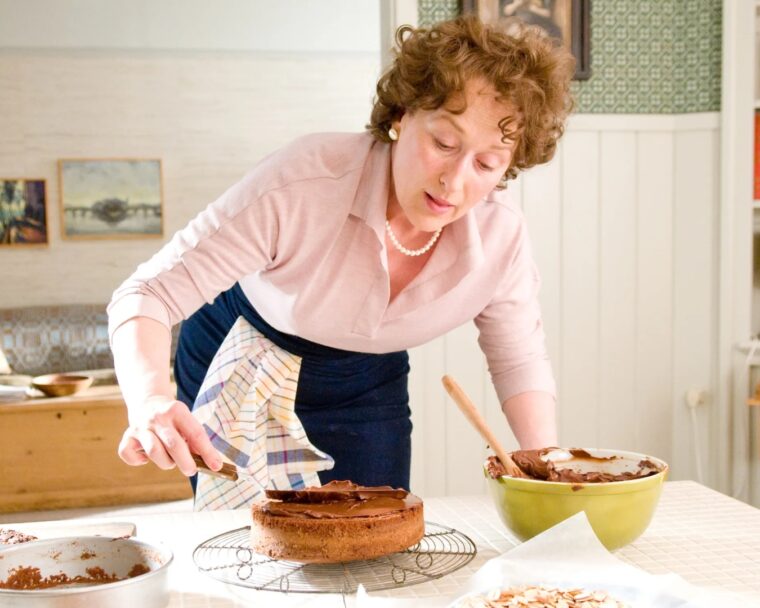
347, 249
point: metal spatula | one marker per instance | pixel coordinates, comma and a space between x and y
228, 471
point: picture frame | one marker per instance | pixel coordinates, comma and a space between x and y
567, 20
23, 212
111, 198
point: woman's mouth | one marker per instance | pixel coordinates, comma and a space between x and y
438, 205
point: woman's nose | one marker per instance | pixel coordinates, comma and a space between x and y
454, 174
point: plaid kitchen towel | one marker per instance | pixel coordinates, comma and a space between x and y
247, 406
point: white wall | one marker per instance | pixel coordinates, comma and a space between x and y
243, 25
208, 114
623, 223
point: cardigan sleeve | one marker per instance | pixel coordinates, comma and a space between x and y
511, 330
234, 236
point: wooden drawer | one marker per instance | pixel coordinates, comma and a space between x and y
61, 453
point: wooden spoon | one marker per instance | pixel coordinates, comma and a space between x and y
473, 415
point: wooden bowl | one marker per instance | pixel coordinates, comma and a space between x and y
61, 385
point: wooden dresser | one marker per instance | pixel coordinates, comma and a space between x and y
61, 452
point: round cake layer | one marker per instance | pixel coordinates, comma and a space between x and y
337, 531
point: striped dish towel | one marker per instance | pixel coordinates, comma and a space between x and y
247, 406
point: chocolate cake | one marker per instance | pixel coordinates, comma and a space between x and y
338, 522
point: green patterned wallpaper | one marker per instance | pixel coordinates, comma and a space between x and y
432, 11
647, 56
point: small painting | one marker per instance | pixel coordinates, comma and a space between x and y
23, 212
111, 198
568, 21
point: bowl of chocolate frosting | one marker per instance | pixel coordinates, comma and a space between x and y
618, 490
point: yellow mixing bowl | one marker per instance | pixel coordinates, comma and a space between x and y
618, 511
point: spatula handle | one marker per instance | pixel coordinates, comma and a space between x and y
473, 415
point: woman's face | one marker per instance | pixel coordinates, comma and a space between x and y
444, 163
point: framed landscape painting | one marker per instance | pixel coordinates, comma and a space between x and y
568, 21
111, 198
23, 212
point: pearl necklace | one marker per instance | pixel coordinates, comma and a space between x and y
411, 252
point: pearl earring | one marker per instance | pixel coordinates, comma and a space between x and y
393, 134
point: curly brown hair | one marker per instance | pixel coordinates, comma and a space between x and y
530, 72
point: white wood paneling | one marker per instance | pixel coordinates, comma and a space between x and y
430, 416
542, 191
579, 340
394, 14
694, 290
654, 294
464, 447
618, 244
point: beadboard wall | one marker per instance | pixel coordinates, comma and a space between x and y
623, 223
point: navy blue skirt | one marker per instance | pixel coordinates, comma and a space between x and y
354, 406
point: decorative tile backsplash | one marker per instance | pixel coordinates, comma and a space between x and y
647, 56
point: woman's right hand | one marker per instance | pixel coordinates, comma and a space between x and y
163, 430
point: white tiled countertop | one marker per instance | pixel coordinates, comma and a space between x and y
705, 537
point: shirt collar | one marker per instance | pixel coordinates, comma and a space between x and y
371, 200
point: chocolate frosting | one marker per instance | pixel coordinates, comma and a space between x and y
339, 499
336, 491
30, 577
534, 466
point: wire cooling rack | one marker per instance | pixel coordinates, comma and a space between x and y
229, 559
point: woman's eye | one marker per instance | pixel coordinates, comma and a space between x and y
486, 167
442, 145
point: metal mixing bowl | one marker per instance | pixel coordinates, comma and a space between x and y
618, 511
73, 556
